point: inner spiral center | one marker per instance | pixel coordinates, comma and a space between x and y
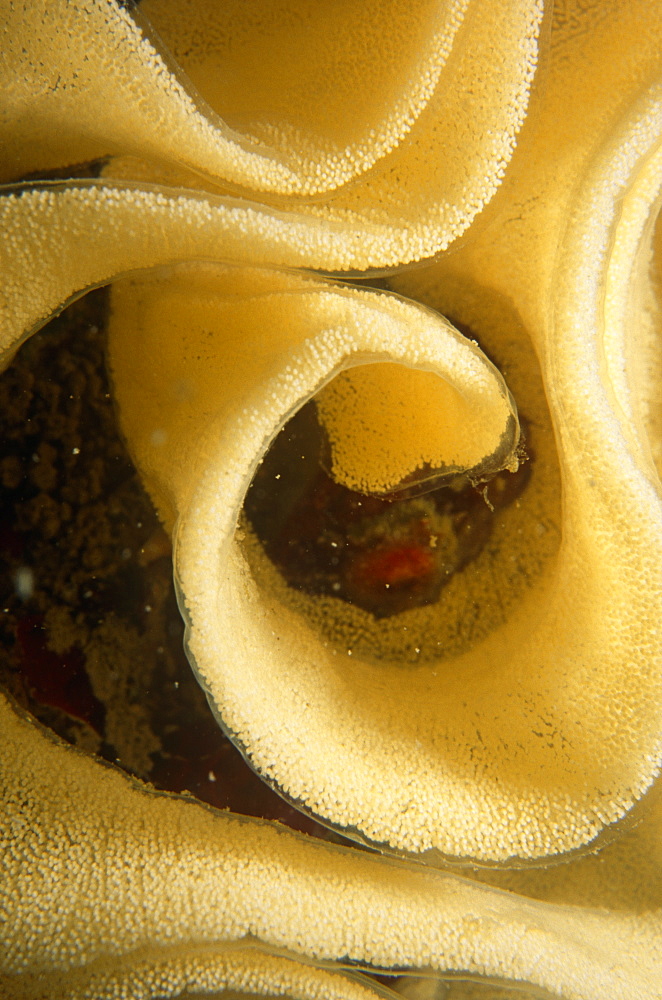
383, 554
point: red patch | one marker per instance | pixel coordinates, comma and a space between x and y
58, 680
394, 566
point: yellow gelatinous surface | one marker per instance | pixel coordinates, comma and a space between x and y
458, 72
539, 724
286, 73
146, 883
207, 329
198, 420
386, 424
510, 742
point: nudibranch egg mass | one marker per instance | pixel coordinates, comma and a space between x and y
516, 718
218, 884
383, 768
442, 99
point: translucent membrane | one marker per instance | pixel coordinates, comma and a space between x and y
415, 112
198, 426
382, 420
284, 74
523, 732
537, 731
162, 895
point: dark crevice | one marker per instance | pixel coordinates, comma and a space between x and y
383, 554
